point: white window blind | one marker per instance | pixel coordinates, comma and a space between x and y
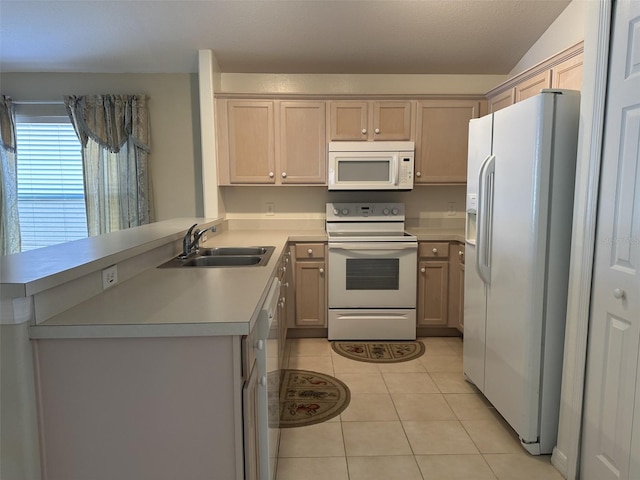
50, 183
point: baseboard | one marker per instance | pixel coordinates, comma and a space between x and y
559, 460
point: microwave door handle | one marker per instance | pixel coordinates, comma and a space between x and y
394, 169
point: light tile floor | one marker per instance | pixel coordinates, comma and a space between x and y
417, 420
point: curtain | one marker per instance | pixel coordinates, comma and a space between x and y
115, 138
9, 219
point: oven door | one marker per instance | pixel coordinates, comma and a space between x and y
372, 274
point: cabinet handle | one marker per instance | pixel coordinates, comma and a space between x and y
321, 271
423, 270
435, 250
271, 174
377, 130
418, 174
364, 131
310, 252
284, 174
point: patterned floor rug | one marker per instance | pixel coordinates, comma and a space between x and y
379, 352
307, 398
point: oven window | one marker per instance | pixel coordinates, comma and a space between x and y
373, 273
363, 171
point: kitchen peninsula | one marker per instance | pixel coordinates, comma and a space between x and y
143, 379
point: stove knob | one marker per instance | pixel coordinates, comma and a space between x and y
345, 211
336, 211
385, 211
395, 211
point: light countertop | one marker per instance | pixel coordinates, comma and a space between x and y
165, 301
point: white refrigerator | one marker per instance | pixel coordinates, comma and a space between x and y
520, 186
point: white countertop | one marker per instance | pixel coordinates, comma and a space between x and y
179, 301
160, 301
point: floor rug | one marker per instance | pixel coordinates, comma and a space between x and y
307, 398
379, 352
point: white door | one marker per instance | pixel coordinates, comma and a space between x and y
609, 450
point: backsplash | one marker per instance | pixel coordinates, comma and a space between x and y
423, 205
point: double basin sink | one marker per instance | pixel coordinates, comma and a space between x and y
224, 257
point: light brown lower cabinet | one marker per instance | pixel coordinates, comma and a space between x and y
310, 280
433, 284
456, 286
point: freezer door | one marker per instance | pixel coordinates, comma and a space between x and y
521, 146
475, 310
480, 143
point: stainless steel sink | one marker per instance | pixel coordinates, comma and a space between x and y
224, 257
206, 252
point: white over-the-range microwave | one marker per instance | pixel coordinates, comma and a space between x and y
371, 165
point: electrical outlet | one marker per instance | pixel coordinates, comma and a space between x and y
109, 276
269, 209
451, 210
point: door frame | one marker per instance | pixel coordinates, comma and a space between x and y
566, 455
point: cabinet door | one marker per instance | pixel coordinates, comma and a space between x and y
311, 305
442, 132
456, 285
433, 279
532, 86
568, 74
251, 140
303, 142
502, 100
348, 120
391, 120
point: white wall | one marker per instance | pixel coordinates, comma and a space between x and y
564, 32
175, 126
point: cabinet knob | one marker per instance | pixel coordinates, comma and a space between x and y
285, 284
284, 174
263, 381
619, 293
321, 271
423, 270
364, 131
260, 345
377, 130
418, 174
271, 175
460, 253
435, 250
310, 252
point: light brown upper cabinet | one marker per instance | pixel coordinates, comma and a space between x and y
271, 142
246, 141
532, 86
302, 151
369, 120
563, 70
568, 74
502, 100
442, 131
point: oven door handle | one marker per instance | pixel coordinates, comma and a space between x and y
374, 246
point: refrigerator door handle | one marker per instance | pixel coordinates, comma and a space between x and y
485, 218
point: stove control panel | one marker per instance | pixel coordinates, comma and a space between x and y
354, 212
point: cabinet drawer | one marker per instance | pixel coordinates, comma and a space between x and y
309, 250
433, 250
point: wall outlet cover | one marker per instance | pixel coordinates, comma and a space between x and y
109, 276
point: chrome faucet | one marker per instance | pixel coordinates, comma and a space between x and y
191, 241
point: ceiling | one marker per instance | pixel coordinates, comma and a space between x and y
272, 36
